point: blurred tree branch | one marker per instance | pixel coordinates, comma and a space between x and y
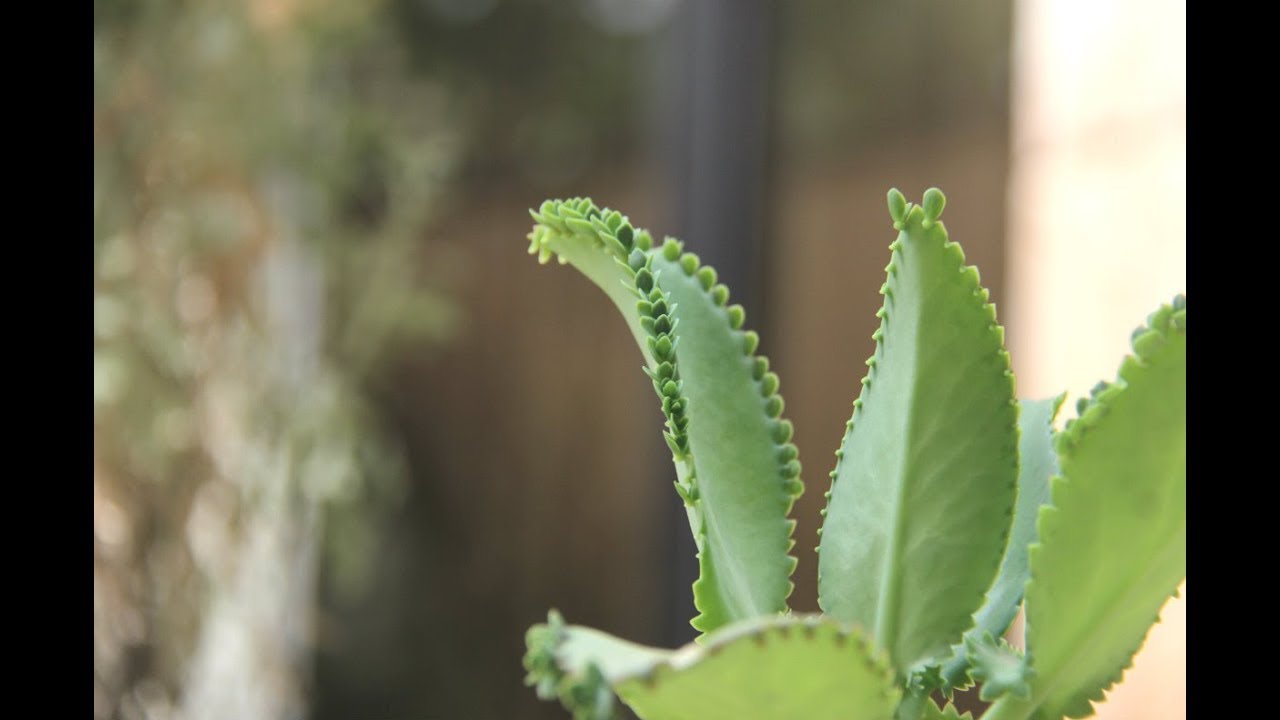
258, 210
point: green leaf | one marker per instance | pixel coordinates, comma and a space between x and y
577, 681
737, 471
923, 495
950, 712
774, 668
999, 667
1037, 463
746, 489
1113, 544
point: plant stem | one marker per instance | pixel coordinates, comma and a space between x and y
911, 707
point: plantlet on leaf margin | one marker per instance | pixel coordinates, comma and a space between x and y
950, 502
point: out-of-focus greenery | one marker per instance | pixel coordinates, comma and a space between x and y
853, 73
266, 176
551, 89
263, 173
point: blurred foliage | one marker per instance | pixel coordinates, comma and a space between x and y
550, 89
263, 174
853, 73
266, 173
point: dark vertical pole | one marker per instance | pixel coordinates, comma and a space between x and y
716, 92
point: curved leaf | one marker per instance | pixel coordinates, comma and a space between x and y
774, 668
923, 493
1113, 543
737, 470
575, 678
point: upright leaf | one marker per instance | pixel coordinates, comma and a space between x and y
1113, 543
922, 496
737, 470
1037, 462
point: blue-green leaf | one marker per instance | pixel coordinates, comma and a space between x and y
736, 470
1113, 541
1037, 463
922, 499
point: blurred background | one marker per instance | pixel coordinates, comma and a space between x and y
350, 441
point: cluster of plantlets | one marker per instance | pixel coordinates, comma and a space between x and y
951, 503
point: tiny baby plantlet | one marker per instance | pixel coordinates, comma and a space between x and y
951, 503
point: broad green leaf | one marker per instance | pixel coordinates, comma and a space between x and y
769, 668
1113, 542
923, 493
737, 470
1037, 462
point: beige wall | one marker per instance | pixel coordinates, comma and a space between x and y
1097, 227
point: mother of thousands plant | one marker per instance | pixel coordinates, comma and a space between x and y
951, 502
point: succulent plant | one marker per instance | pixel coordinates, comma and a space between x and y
952, 503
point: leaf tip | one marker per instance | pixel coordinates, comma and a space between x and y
897, 207
934, 202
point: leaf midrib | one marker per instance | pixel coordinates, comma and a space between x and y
888, 605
